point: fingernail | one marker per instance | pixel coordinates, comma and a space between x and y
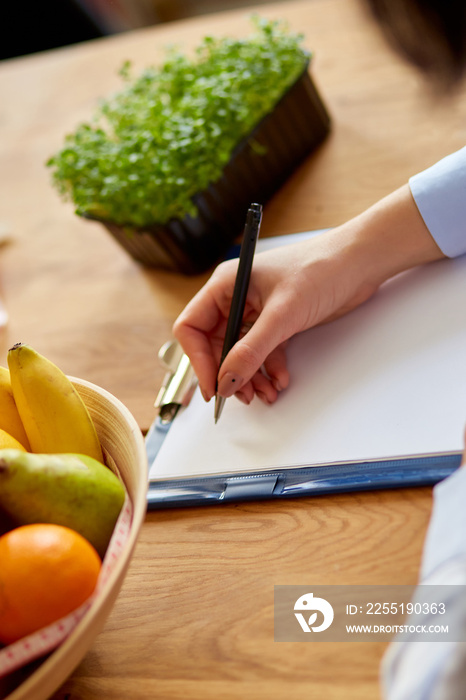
276, 385
241, 397
205, 396
263, 397
229, 384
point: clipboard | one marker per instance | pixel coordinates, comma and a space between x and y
178, 397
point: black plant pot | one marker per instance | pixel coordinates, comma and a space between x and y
259, 166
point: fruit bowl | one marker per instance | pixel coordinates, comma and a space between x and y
123, 446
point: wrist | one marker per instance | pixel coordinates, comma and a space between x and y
390, 237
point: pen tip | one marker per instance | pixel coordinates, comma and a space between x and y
219, 401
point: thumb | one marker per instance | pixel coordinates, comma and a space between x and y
250, 352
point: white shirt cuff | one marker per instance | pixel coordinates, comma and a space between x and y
440, 196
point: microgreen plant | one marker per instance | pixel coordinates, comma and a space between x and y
171, 130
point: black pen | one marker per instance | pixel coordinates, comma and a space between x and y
235, 317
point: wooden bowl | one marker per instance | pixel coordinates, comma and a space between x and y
123, 444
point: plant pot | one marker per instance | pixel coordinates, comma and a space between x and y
259, 166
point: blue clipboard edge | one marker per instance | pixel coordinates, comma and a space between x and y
403, 472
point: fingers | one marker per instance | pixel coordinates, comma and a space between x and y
256, 365
264, 388
267, 383
273, 376
199, 350
200, 329
276, 368
204, 351
264, 346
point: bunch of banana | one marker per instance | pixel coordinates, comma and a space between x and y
52, 412
65, 481
10, 420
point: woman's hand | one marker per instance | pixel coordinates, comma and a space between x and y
294, 288
291, 289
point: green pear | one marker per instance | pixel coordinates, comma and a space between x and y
65, 489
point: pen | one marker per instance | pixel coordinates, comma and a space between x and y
235, 317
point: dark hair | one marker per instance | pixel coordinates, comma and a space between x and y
431, 34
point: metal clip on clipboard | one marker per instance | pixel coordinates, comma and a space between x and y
178, 384
177, 388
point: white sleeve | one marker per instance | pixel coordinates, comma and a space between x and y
446, 537
416, 670
440, 196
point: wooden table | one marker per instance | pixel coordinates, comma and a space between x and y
195, 616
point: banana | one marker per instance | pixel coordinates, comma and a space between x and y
10, 420
54, 416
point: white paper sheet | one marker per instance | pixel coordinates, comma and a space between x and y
387, 380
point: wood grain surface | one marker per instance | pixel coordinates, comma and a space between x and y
195, 616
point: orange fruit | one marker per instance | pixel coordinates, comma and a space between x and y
8, 442
46, 572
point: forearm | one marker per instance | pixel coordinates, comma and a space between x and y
389, 237
422, 221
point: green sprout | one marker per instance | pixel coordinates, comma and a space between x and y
169, 132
